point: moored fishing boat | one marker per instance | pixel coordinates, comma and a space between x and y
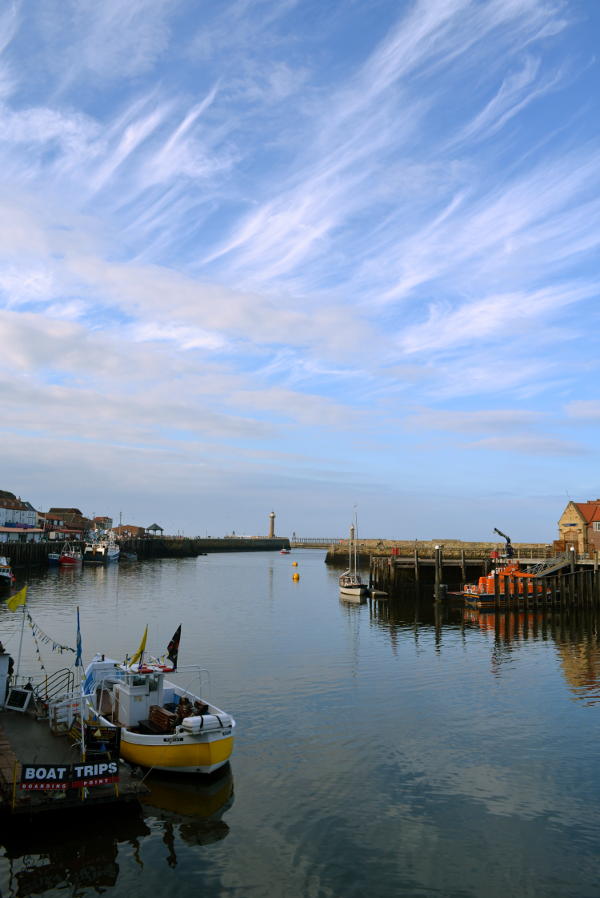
70, 554
164, 726
7, 578
101, 551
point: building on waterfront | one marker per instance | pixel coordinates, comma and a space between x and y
102, 523
579, 527
18, 520
130, 531
70, 519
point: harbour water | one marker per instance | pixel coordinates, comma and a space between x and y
380, 749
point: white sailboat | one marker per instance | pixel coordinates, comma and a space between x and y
351, 586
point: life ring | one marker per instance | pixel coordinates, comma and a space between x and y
144, 669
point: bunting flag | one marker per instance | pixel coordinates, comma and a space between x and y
19, 598
38, 633
173, 647
140, 651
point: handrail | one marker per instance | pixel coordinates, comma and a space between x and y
52, 685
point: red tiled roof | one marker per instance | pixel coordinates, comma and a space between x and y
589, 510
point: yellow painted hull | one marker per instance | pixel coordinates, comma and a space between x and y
185, 757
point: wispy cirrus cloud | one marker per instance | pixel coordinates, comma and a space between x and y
305, 227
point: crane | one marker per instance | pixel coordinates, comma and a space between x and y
509, 549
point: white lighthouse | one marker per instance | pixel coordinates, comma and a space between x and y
272, 525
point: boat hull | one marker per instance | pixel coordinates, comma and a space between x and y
488, 602
98, 557
143, 703
353, 590
167, 754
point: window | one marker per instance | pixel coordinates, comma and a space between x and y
596, 525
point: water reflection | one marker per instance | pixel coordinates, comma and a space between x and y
484, 748
190, 808
574, 631
190, 797
54, 855
44, 857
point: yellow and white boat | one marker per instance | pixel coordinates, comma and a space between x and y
163, 725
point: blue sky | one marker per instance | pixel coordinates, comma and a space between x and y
300, 256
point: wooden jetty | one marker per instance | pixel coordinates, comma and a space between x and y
42, 767
568, 580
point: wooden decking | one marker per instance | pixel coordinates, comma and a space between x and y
26, 739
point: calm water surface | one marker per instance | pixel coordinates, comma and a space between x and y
380, 750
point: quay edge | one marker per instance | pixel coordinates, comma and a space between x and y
26, 555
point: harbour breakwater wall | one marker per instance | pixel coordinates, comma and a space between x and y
25, 555
164, 547
413, 552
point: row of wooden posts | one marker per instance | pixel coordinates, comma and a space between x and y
577, 587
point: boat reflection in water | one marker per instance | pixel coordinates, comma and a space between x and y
190, 809
45, 857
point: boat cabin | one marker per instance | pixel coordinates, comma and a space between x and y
124, 696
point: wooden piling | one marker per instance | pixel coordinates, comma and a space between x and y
438, 572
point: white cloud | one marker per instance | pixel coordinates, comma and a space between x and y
530, 445
487, 421
584, 409
273, 238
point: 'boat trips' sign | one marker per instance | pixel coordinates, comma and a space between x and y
68, 776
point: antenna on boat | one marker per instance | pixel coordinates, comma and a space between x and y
79, 663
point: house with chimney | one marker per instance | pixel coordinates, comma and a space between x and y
579, 527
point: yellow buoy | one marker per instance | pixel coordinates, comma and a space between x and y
294, 564
296, 576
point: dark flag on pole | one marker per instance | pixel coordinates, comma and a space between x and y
173, 647
78, 660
